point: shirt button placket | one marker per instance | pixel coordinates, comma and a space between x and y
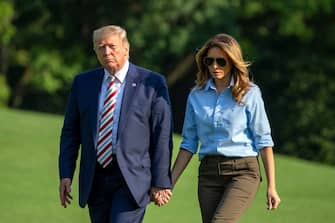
216, 113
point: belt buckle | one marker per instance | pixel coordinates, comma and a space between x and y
224, 168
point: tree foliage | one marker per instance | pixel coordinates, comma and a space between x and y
290, 44
295, 66
7, 30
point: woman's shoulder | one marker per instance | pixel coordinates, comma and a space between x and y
194, 93
196, 90
254, 88
253, 92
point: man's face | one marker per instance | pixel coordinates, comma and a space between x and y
111, 52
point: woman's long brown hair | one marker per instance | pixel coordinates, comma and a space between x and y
239, 69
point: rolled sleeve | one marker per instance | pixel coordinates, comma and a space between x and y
189, 134
258, 121
263, 141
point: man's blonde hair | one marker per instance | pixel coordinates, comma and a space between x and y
110, 30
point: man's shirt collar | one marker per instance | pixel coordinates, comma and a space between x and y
119, 75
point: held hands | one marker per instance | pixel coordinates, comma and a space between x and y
160, 196
64, 192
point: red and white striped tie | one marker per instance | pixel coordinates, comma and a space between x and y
104, 145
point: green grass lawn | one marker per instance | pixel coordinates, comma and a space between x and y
29, 182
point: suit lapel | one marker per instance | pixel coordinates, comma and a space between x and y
96, 88
132, 82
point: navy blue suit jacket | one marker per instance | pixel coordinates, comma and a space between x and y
144, 144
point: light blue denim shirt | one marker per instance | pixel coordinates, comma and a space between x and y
120, 77
223, 127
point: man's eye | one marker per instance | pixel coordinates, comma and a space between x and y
101, 47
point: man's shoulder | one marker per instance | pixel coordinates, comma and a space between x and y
89, 73
147, 72
148, 75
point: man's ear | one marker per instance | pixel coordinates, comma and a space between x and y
126, 51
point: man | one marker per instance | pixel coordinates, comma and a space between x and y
120, 115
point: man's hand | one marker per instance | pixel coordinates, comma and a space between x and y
160, 196
64, 192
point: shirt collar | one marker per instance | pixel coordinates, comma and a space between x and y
119, 75
210, 84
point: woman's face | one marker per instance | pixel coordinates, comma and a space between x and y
218, 63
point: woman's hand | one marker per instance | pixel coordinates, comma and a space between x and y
273, 199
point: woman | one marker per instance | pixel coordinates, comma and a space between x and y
225, 114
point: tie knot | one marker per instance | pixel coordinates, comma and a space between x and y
111, 77
111, 80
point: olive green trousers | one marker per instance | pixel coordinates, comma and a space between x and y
226, 187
